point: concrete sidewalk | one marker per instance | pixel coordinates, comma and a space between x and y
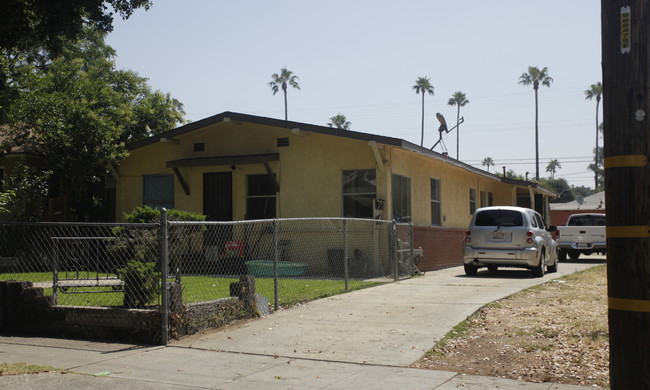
361, 340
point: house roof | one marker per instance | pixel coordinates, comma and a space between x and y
228, 116
592, 202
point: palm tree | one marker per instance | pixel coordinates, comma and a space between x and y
340, 122
423, 85
595, 91
458, 99
487, 162
552, 167
286, 77
536, 77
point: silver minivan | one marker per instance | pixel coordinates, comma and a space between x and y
504, 236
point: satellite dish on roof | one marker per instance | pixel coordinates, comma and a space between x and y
580, 200
443, 122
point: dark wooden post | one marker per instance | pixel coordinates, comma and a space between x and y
626, 80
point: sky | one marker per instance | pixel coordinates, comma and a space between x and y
361, 59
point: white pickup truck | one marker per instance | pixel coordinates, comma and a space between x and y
582, 234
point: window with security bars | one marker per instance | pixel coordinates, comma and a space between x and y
435, 202
158, 191
401, 191
260, 197
359, 192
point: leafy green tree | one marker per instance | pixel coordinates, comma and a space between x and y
595, 91
24, 194
511, 174
423, 86
154, 112
560, 187
536, 77
340, 122
487, 162
282, 81
459, 100
78, 110
25, 24
583, 191
553, 166
597, 168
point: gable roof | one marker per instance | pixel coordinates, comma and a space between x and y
228, 116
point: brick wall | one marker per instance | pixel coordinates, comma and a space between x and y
442, 247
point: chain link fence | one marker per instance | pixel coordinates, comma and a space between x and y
293, 260
119, 265
85, 264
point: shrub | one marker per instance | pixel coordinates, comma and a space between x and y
140, 283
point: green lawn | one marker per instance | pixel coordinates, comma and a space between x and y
202, 288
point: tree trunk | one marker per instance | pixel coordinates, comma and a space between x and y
422, 132
536, 139
286, 116
626, 84
458, 132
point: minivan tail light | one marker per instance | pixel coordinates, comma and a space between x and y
467, 236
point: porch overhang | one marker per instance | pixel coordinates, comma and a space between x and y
223, 160
263, 159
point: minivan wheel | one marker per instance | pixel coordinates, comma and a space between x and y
553, 267
470, 270
538, 271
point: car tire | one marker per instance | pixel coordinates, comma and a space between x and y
562, 255
470, 270
553, 267
493, 268
538, 271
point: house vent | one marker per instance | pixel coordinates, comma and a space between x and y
199, 147
283, 141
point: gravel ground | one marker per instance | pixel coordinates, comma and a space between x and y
556, 332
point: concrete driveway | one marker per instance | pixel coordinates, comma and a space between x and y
393, 324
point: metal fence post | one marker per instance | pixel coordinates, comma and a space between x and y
164, 263
346, 266
392, 239
276, 303
411, 242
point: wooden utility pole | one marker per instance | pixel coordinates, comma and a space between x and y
626, 84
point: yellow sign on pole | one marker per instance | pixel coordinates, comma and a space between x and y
626, 16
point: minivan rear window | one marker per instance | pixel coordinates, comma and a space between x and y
499, 218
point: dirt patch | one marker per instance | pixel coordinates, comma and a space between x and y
556, 332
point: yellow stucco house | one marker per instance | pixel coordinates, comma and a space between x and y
234, 166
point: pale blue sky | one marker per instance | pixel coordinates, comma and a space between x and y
361, 59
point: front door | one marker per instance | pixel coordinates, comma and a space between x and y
217, 196
217, 206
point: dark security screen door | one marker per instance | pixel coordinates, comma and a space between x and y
217, 196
